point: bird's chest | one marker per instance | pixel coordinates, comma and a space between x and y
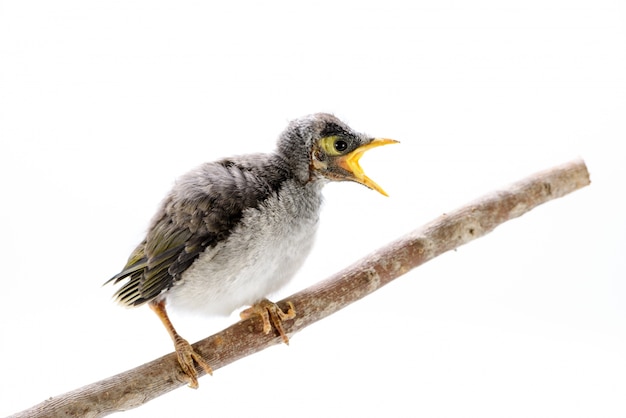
261, 254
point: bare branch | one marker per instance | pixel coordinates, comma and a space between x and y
137, 386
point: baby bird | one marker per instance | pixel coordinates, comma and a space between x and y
231, 232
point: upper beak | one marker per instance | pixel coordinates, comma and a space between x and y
350, 163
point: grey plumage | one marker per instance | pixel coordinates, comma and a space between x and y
232, 231
220, 218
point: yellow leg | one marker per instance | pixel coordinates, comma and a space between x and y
186, 354
270, 313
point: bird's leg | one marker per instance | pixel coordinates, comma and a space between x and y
185, 352
269, 311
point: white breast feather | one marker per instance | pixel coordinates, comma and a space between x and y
261, 255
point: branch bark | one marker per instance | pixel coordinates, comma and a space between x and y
135, 387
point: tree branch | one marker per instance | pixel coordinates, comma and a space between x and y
135, 387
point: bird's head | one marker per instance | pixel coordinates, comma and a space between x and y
320, 146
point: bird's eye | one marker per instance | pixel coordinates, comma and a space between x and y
334, 145
341, 145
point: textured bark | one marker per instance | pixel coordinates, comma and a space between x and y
135, 387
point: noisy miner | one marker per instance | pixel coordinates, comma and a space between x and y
233, 231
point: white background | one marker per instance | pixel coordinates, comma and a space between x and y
104, 103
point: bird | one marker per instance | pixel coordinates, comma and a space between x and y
233, 231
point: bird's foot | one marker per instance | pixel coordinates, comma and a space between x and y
187, 356
271, 313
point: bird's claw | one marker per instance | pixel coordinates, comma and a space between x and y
187, 356
271, 314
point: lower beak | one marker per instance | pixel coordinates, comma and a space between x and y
350, 163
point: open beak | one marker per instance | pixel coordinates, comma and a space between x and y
350, 163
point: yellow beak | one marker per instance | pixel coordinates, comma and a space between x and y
350, 163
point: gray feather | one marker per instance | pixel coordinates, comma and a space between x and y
233, 230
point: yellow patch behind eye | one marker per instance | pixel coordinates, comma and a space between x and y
328, 145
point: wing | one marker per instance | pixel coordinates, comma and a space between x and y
201, 210
158, 261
